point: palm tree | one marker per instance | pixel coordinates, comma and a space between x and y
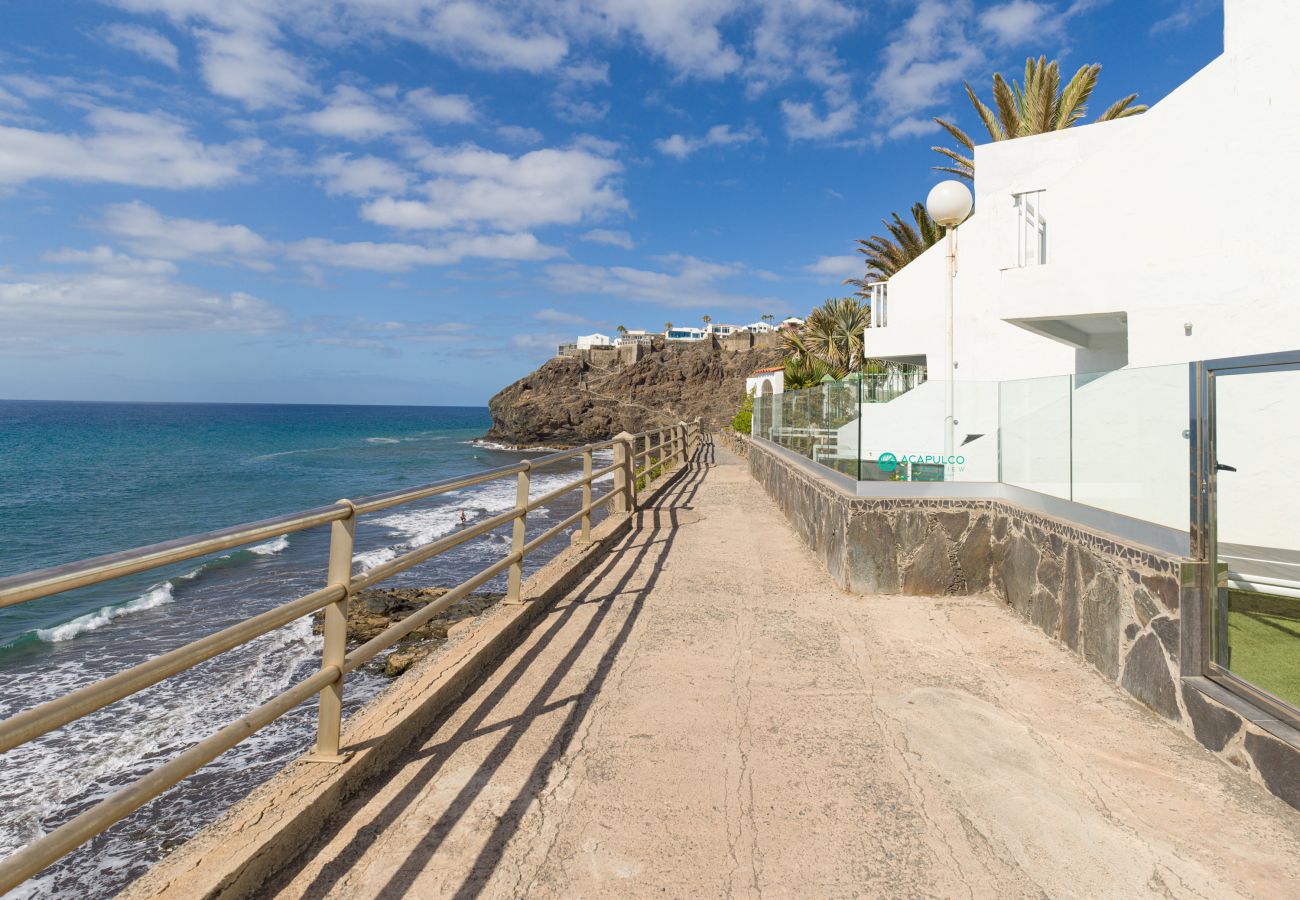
830, 341
886, 255
622, 329
668, 326
707, 320
766, 317
1037, 107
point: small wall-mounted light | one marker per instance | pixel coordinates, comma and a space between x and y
1187, 328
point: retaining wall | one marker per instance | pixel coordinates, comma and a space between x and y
1115, 603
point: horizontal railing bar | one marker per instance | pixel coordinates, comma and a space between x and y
556, 529
42, 719
428, 551
570, 487
67, 837
394, 498
33, 585
394, 633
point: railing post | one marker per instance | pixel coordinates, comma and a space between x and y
659, 452
586, 495
680, 432
514, 589
624, 475
329, 723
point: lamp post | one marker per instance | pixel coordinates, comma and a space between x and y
949, 203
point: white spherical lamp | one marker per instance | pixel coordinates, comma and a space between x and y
949, 203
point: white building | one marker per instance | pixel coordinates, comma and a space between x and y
587, 341
685, 333
760, 327
1161, 238
764, 382
634, 336
1099, 262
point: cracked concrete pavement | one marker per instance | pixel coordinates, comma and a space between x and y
708, 715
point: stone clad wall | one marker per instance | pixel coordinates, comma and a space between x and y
1115, 604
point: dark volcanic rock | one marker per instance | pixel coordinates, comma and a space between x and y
567, 402
1146, 676
1213, 725
373, 611
1279, 764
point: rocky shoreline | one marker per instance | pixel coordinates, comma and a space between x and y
372, 611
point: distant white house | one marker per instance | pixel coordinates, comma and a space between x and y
633, 336
587, 341
792, 322
721, 330
762, 382
760, 327
685, 333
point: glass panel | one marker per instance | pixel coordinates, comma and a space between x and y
1035, 434
1129, 446
1257, 433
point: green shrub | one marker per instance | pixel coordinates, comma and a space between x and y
743, 422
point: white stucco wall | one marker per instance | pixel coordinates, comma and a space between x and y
1186, 215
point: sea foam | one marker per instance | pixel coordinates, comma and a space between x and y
155, 596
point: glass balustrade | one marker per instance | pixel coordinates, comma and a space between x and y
1112, 440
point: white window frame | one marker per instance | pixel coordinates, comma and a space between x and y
1031, 228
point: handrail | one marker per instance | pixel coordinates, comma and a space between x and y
674, 446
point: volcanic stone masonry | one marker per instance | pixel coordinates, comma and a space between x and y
1115, 604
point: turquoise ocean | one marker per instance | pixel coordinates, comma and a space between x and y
82, 479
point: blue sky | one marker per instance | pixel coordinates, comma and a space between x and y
413, 201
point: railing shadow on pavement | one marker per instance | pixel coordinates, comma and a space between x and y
651, 539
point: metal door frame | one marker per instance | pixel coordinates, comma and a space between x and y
1204, 492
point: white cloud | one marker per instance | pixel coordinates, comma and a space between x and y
687, 34
612, 238
926, 57
105, 259
474, 187
912, 126
361, 176
399, 257
835, 267
43, 308
246, 65
693, 284
1016, 21
386, 336
453, 109
520, 134
143, 149
681, 147
353, 114
144, 42
149, 232
804, 123
1188, 13
556, 317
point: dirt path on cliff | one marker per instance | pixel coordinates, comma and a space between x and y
708, 716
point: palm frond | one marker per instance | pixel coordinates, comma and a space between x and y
1121, 109
958, 135
1008, 104
1074, 99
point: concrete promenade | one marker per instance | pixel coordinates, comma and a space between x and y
708, 716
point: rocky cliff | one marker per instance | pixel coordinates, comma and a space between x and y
567, 402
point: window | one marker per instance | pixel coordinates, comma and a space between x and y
1031, 229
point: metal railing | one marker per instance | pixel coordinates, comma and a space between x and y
669, 447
